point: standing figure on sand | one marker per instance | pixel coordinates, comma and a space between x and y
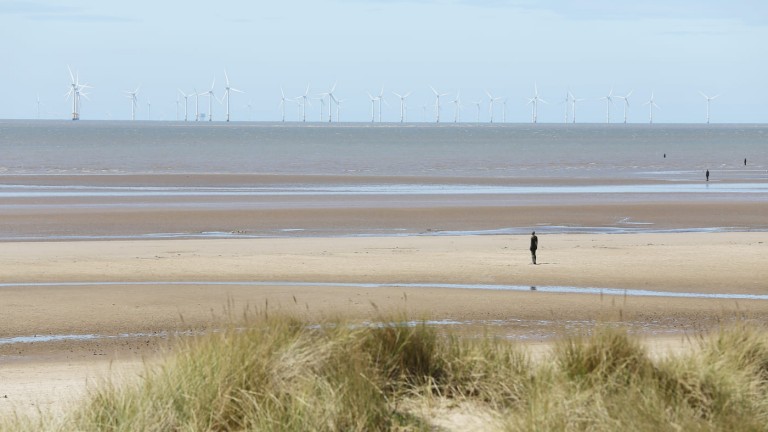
707, 175
534, 246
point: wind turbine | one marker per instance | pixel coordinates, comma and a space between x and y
132, 95
457, 103
211, 97
709, 99
338, 109
75, 93
227, 91
38, 107
504, 110
322, 106
565, 102
626, 104
149, 109
490, 104
402, 105
477, 104
331, 100
282, 103
304, 101
197, 105
608, 101
535, 102
437, 102
185, 96
373, 107
651, 103
381, 99
573, 105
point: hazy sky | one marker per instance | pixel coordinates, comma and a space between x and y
673, 48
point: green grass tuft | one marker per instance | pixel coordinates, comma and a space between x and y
279, 374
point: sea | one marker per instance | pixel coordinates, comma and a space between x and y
461, 163
539, 151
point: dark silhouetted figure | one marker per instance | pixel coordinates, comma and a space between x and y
707, 174
665, 155
534, 246
745, 161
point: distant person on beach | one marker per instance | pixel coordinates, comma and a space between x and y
745, 161
534, 246
707, 174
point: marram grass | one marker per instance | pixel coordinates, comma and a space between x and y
281, 374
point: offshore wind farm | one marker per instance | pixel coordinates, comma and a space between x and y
328, 103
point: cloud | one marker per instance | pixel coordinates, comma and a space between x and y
754, 12
38, 11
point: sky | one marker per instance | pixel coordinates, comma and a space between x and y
673, 49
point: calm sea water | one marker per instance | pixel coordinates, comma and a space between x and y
446, 150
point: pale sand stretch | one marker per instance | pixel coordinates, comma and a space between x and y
694, 262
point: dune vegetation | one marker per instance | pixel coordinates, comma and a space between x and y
281, 374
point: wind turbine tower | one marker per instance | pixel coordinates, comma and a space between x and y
373, 107
211, 97
197, 105
437, 103
490, 104
402, 104
381, 99
651, 103
535, 102
75, 91
227, 91
186, 97
608, 101
458, 106
504, 110
626, 104
331, 100
477, 104
573, 105
709, 99
304, 101
282, 104
133, 96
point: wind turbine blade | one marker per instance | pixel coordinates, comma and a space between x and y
702, 93
226, 77
715, 97
434, 91
399, 96
406, 95
282, 93
70, 74
236, 90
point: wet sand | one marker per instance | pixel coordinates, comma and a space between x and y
134, 215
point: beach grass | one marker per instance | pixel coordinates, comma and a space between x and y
277, 373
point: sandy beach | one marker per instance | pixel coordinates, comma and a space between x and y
128, 288
101, 273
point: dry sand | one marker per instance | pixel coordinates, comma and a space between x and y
47, 374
